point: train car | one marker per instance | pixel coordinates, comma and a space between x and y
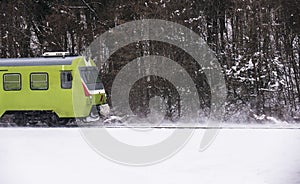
54, 89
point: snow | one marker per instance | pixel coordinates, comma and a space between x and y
60, 155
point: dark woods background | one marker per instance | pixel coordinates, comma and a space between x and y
256, 41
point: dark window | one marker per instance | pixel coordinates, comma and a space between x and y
12, 82
66, 79
39, 81
91, 78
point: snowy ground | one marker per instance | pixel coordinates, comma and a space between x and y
237, 156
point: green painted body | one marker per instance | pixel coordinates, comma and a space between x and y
66, 103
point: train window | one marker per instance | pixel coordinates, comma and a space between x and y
12, 82
66, 79
39, 81
91, 78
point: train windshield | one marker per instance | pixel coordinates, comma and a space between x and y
90, 76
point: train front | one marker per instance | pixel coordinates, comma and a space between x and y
94, 90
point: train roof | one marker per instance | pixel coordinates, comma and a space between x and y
41, 61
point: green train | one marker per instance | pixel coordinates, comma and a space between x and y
54, 89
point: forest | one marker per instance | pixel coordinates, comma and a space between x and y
257, 43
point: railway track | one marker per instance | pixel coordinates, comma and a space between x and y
114, 124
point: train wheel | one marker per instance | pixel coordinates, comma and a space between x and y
55, 121
52, 120
33, 123
20, 119
63, 121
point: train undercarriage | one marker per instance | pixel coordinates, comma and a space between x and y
50, 118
